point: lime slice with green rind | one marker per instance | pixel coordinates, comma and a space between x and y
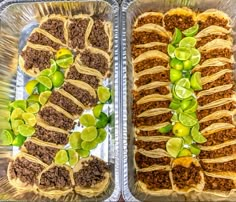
75, 140
187, 65
29, 118
53, 66
103, 120
174, 94
31, 86
83, 153
26, 130
42, 88
15, 124
89, 145
6, 137
62, 52
180, 130
17, 114
87, 120
175, 75
65, 62
174, 105
195, 149
171, 50
187, 119
177, 36
89, 134
183, 93
19, 104
57, 79
166, 129
174, 146
174, 118
195, 81
97, 110
102, 134
44, 96
34, 108
18, 140
188, 140
46, 72
73, 157
188, 42
185, 104
183, 53
44, 80
184, 152
176, 64
197, 136
196, 56
103, 94
192, 31
192, 106
184, 82
61, 157
34, 98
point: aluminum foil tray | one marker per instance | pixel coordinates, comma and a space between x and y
18, 18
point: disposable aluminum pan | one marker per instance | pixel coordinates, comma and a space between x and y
129, 11
18, 18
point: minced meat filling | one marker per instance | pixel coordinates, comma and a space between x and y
25, 170
143, 161
36, 58
207, 71
38, 38
223, 80
215, 53
98, 37
148, 78
138, 109
50, 136
216, 167
203, 113
186, 177
148, 37
65, 103
44, 153
149, 19
56, 119
80, 94
153, 133
181, 22
152, 120
227, 119
56, 178
206, 99
95, 61
220, 137
150, 145
213, 183
158, 179
91, 173
213, 20
225, 151
206, 39
135, 51
89, 79
149, 63
54, 27
76, 32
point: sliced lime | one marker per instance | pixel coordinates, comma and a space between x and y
174, 146
19, 140
89, 145
184, 82
187, 74
166, 129
89, 134
6, 137
19, 104
174, 118
17, 114
31, 86
174, 94
175, 75
65, 62
192, 107
184, 152
102, 134
57, 79
177, 36
61, 157
191, 31
75, 140
44, 96
188, 42
176, 64
187, 65
185, 104
62, 52
73, 157
102, 120
97, 110
46, 72
15, 124
180, 130
197, 136
87, 120
53, 66
196, 56
34, 98
195, 81
26, 130
29, 118
44, 80
195, 149
174, 105
182, 53
188, 139
103, 94
183, 93
34, 108
83, 153
187, 119
171, 50
42, 88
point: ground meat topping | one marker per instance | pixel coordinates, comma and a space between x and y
181, 22
54, 27
152, 120
89, 79
44, 153
148, 37
56, 177
220, 137
186, 177
207, 71
98, 37
206, 39
149, 19
56, 119
50, 136
153, 133
149, 63
213, 20
92, 172
148, 78
227, 119
213, 183
65, 103
158, 179
76, 32
150, 145
80, 94
216, 167
95, 61
214, 53
36, 58
25, 170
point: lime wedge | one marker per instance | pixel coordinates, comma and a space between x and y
73, 157
87, 120
180, 130
197, 136
174, 118
46, 72
192, 107
34, 108
191, 31
183, 93
176, 64
44, 80
89, 145
174, 94
44, 96
97, 110
196, 56
174, 146
175, 75
195, 149
75, 140
6, 137
15, 124
57, 79
65, 62
182, 53
17, 114
166, 129
102, 134
26, 130
102, 120
103, 94
188, 42
187, 119
195, 81
33, 98
61, 157
177, 36
185, 104
19, 140
188, 140
184, 152
29, 118
83, 153
187, 65
171, 50
53, 66
62, 53
187, 74
184, 82
89, 134
19, 104
174, 105
30, 86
